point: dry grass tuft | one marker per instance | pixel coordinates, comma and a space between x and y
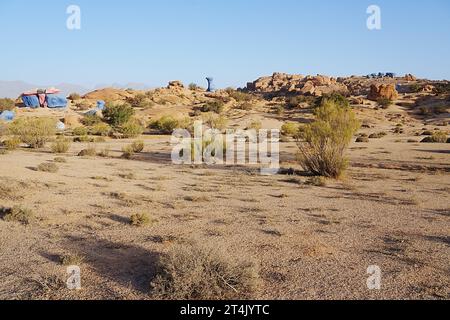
204, 273
140, 219
17, 214
47, 167
71, 260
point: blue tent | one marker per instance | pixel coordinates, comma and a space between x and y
54, 101
31, 101
7, 115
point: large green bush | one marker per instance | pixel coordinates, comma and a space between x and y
322, 151
117, 114
34, 132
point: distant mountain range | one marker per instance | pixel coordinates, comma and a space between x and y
13, 89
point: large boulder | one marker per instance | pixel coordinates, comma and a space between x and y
175, 85
382, 91
410, 77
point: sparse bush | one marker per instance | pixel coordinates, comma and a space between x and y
137, 146
101, 129
317, 181
297, 101
48, 167
131, 129
118, 114
193, 86
378, 135
104, 153
80, 131
279, 110
128, 152
90, 151
326, 140
61, 145
246, 106
74, 96
362, 139
165, 125
436, 137
83, 105
12, 143
289, 129
60, 160
239, 96
384, 102
34, 132
255, 125
6, 104
140, 219
71, 260
17, 214
83, 139
140, 101
215, 121
204, 273
213, 106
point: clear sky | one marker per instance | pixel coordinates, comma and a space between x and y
234, 41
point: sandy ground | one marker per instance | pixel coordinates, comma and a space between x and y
392, 210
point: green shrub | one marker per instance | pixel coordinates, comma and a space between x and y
335, 98
17, 214
6, 104
91, 119
100, 129
204, 273
165, 125
289, 129
213, 106
61, 145
131, 129
34, 132
48, 167
279, 110
80, 131
326, 140
384, 102
118, 114
12, 143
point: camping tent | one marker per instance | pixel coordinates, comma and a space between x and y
7, 115
43, 98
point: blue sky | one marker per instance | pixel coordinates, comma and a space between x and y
234, 41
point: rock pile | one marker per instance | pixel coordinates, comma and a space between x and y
309, 85
382, 91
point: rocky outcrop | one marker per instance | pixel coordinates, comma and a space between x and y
288, 83
410, 77
382, 91
175, 85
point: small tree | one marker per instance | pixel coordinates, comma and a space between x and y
117, 114
326, 139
